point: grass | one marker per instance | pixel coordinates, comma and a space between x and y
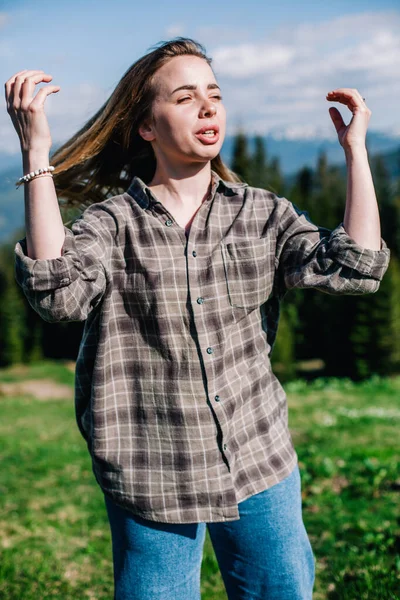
54, 534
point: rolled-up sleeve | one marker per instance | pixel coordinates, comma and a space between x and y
68, 287
309, 256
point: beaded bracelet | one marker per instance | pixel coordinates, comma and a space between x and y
33, 174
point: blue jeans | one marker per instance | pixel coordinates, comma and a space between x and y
264, 555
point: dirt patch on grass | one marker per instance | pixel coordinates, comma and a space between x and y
41, 389
70, 364
18, 369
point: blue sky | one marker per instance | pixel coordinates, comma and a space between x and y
275, 62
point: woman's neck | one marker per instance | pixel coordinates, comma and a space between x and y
181, 189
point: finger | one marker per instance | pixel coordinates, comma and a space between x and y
351, 104
24, 73
28, 87
12, 78
14, 85
10, 81
361, 98
343, 92
42, 94
350, 91
336, 118
358, 95
348, 96
24, 86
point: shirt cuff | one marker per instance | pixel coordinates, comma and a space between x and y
347, 252
47, 273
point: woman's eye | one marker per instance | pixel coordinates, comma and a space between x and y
189, 98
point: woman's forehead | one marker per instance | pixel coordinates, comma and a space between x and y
182, 70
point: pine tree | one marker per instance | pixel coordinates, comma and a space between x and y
304, 184
283, 351
388, 207
241, 162
13, 328
276, 182
375, 336
395, 247
259, 168
393, 331
327, 203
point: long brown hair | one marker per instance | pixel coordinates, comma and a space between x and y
101, 159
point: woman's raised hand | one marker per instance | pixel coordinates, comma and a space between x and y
354, 134
26, 111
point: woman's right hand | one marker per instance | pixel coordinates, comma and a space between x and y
27, 112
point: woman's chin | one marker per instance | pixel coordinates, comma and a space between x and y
209, 152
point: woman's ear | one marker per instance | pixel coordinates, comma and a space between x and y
146, 131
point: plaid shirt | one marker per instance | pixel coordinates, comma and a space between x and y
174, 392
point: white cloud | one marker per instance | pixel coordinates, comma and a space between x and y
283, 80
372, 43
247, 59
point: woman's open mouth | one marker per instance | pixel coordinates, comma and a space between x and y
208, 135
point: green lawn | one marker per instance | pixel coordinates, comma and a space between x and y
54, 534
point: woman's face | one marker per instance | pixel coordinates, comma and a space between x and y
180, 116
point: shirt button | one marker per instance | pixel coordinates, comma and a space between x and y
168, 222
209, 350
216, 398
194, 253
224, 446
200, 300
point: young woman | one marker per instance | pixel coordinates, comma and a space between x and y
179, 276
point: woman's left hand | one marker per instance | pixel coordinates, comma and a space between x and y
354, 134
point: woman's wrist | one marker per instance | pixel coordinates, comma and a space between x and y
35, 159
356, 151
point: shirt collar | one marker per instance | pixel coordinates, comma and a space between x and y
144, 197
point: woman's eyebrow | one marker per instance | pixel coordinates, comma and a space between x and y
211, 86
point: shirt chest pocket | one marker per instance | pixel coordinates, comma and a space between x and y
249, 268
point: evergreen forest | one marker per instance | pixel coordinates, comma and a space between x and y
319, 335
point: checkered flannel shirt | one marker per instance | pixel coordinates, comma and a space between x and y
174, 392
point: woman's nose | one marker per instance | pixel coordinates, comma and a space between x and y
208, 109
